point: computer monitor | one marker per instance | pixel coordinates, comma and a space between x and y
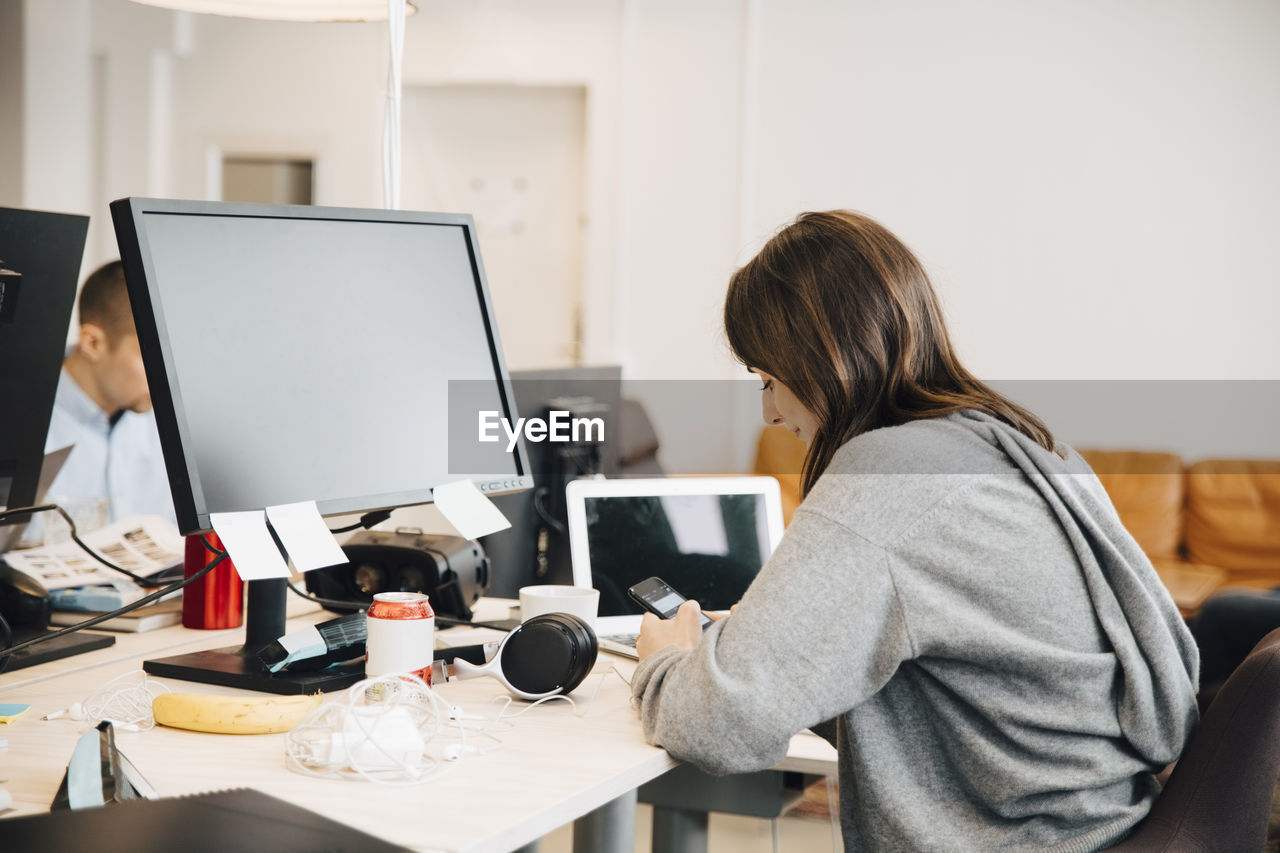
40, 256
307, 353
535, 549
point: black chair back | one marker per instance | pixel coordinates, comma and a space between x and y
1218, 797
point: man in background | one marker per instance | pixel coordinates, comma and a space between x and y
103, 407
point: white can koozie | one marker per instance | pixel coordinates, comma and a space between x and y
401, 635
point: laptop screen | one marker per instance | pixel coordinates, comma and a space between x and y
708, 547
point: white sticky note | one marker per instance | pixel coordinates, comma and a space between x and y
305, 536
246, 539
468, 510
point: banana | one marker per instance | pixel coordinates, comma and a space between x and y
233, 715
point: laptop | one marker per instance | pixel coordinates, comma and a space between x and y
705, 536
11, 535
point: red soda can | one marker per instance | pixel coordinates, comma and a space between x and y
401, 635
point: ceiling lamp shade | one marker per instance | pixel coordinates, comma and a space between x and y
285, 10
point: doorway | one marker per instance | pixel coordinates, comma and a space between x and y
513, 157
267, 180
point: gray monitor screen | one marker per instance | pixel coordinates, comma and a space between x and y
308, 356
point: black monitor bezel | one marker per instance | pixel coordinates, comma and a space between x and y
153, 340
34, 347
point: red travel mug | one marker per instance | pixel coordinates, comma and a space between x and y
217, 599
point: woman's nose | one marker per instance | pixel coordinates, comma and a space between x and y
771, 414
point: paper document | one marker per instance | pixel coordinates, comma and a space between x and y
466, 510
144, 545
305, 536
248, 542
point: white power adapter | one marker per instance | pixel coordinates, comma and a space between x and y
374, 738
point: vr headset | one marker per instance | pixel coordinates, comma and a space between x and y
453, 572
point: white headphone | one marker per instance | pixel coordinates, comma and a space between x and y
548, 655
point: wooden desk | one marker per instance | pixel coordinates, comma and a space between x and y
551, 768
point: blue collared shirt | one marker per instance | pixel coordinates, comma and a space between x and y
121, 462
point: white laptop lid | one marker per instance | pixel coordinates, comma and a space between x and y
706, 536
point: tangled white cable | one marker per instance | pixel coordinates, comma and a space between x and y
395, 730
380, 734
504, 719
124, 700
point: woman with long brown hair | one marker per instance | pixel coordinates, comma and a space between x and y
955, 606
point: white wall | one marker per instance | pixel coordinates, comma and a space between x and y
1092, 185
132, 49
57, 117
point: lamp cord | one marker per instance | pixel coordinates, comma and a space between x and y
391, 123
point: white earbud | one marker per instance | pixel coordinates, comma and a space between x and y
75, 712
454, 751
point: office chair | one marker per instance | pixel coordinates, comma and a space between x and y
1219, 794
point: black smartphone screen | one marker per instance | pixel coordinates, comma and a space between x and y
657, 596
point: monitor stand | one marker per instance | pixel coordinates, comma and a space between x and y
238, 666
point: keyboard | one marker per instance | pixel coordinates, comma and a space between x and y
620, 644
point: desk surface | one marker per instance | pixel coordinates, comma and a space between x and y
552, 767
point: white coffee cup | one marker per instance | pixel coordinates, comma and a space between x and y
580, 601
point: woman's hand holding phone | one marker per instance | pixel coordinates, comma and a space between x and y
683, 630
671, 620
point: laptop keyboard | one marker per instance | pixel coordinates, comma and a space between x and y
622, 639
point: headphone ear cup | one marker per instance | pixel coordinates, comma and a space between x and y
548, 654
587, 649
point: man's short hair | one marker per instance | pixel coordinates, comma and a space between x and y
104, 301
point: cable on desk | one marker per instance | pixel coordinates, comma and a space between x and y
440, 590
148, 583
102, 617
351, 607
379, 734
323, 602
504, 717
125, 701
367, 521
331, 603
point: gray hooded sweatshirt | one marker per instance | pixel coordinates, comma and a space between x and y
962, 614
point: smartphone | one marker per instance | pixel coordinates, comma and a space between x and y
657, 596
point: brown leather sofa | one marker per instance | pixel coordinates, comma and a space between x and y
781, 455
1213, 524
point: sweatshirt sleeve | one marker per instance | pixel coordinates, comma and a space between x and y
820, 630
